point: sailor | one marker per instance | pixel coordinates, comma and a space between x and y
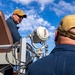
12, 22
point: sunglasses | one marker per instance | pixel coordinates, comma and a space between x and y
20, 16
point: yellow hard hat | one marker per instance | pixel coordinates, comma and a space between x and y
66, 24
20, 13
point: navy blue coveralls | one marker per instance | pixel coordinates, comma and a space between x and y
16, 38
61, 61
13, 29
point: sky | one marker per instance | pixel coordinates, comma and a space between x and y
47, 13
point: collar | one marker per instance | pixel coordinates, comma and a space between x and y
13, 19
14, 22
64, 47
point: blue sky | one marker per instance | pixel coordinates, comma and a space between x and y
47, 13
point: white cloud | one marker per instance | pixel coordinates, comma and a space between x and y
63, 8
1, 4
42, 3
45, 1
24, 2
33, 21
52, 28
29, 1
60, 9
